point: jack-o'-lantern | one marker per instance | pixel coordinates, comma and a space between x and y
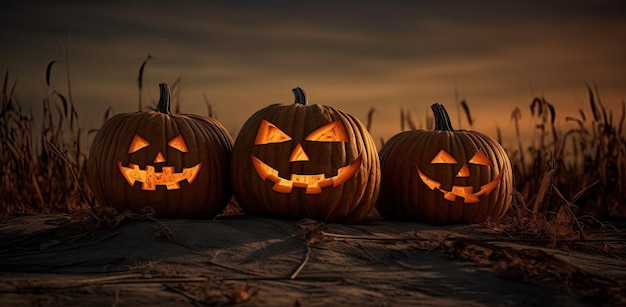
305, 161
175, 163
444, 176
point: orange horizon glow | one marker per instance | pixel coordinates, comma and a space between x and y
393, 57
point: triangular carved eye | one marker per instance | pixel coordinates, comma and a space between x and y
137, 143
269, 133
443, 157
178, 143
480, 158
332, 132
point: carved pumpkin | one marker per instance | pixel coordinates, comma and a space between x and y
444, 176
305, 161
175, 163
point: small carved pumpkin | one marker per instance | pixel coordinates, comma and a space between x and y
444, 176
305, 161
175, 163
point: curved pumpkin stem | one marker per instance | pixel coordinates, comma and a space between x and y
442, 120
300, 96
164, 100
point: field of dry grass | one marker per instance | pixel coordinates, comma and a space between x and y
562, 239
566, 181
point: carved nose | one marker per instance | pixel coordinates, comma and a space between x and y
298, 154
159, 157
464, 171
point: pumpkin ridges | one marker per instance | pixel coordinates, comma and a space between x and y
372, 191
173, 200
429, 208
405, 196
336, 209
193, 128
354, 212
111, 128
241, 162
374, 162
112, 143
505, 193
298, 112
366, 197
480, 209
200, 138
216, 135
406, 173
128, 123
499, 166
494, 196
475, 139
297, 120
189, 127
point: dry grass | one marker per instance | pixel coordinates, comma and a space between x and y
568, 180
588, 162
42, 171
565, 179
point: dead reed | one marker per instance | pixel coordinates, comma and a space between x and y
565, 179
587, 162
42, 171
582, 168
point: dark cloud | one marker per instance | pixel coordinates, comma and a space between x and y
353, 54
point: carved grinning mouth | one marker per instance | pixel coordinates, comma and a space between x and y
149, 178
312, 183
466, 192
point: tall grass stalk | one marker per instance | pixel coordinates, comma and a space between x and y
48, 177
589, 157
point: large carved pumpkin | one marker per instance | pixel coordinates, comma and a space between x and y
444, 176
176, 163
305, 161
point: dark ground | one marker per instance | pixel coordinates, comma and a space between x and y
53, 260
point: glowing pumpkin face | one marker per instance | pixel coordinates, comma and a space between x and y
305, 161
177, 164
333, 132
467, 192
149, 177
444, 176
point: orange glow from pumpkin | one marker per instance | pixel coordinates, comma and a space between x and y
150, 178
466, 192
332, 132
298, 154
269, 133
443, 157
178, 143
159, 158
480, 158
312, 183
464, 171
137, 143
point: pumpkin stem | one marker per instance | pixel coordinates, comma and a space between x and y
164, 100
300, 96
442, 120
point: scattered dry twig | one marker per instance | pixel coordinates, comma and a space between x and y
301, 266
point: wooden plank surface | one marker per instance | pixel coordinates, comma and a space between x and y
62, 260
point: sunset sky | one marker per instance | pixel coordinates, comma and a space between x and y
354, 55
